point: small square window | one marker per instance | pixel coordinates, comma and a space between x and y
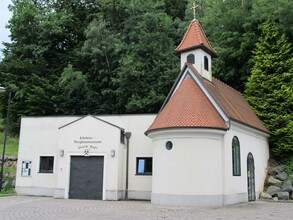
144, 166
46, 164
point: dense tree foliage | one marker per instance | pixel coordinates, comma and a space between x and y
232, 27
97, 57
270, 86
117, 56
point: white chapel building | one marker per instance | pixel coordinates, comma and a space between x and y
205, 147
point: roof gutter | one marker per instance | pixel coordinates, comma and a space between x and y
185, 127
127, 135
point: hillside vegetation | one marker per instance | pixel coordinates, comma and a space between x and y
75, 57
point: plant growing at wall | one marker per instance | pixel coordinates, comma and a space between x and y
270, 87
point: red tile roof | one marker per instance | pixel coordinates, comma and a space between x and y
188, 107
234, 104
195, 37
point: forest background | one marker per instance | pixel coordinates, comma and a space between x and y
78, 57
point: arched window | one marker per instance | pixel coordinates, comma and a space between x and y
206, 63
190, 58
236, 157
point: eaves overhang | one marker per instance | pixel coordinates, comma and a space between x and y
184, 127
201, 46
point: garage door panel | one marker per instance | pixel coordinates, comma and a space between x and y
86, 177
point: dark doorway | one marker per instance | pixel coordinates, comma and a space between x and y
86, 177
250, 177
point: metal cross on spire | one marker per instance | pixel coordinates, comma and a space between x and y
194, 7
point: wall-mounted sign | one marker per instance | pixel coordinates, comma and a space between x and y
26, 168
87, 142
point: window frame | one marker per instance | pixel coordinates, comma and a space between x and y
148, 161
190, 58
44, 166
236, 157
206, 63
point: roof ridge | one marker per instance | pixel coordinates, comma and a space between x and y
227, 85
205, 36
187, 31
198, 36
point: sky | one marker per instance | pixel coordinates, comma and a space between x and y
5, 15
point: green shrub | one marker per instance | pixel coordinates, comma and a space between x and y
288, 165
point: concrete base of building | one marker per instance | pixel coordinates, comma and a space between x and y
35, 191
198, 200
113, 195
235, 198
139, 195
187, 200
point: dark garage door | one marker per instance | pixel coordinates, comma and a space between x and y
86, 177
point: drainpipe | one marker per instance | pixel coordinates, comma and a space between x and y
127, 135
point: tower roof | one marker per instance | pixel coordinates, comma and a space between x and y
195, 38
188, 107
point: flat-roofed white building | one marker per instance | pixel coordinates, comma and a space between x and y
84, 157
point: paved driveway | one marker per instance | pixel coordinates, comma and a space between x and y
25, 207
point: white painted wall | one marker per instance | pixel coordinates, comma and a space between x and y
38, 137
197, 169
191, 168
199, 62
108, 137
251, 140
41, 136
140, 146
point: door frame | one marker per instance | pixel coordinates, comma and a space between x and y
69, 167
250, 177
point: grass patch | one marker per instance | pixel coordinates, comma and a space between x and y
7, 192
11, 142
11, 169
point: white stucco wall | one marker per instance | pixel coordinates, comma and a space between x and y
251, 140
140, 146
199, 62
108, 137
196, 171
40, 136
191, 172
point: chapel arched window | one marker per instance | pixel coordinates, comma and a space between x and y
236, 163
190, 58
206, 63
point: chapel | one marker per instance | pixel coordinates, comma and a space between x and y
209, 147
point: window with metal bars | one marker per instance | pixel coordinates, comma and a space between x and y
46, 164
